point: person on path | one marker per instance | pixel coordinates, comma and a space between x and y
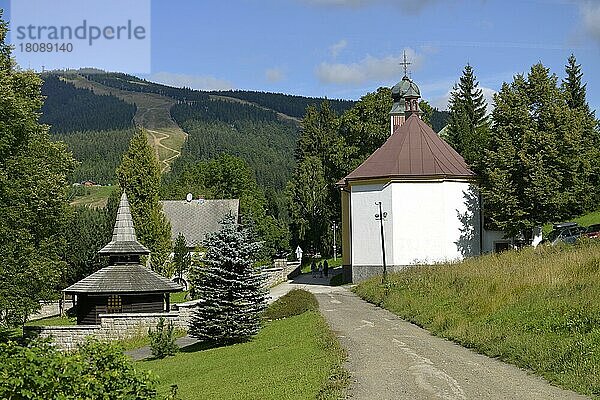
320, 270
313, 268
326, 268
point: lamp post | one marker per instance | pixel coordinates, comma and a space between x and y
334, 226
380, 217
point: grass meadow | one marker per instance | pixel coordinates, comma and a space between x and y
536, 308
294, 356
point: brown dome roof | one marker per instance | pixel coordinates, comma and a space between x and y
414, 151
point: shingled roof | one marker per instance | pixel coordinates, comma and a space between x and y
124, 278
196, 218
414, 151
124, 240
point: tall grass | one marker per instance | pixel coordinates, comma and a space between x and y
536, 308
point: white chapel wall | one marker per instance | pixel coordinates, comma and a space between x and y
366, 231
434, 222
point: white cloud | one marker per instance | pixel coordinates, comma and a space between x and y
200, 82
368, 69
336, 48
274, 75
590, 14
408, 6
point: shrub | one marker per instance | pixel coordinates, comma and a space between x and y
162, 341
95, 371
293, 303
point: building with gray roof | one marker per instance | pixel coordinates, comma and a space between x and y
195, 218
125, 286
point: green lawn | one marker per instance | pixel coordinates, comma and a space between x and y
53, 321
94, 196
536, 308
178, 297
292, 358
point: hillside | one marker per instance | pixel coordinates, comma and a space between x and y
94, 111
152, 113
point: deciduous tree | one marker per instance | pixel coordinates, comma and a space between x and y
33, 195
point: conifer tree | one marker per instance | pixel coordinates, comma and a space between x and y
468, 127
536, 168
33, 195
181, 256
575, 93
228, 286
573, 86
139, 176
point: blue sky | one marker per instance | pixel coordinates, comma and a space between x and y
346, 48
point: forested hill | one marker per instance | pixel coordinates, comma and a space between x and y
69, 109
292, 105
93, 112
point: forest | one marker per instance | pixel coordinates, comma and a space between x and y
292, 105
69, 109
98, 152
255, 135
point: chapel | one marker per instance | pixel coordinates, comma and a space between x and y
125, 286
413, 201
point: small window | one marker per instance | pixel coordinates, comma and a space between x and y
501, 246
114, 304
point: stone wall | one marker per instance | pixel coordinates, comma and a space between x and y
50, 309
112, 327
281, 271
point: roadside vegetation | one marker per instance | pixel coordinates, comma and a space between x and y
536, 308
293, 357
584, 220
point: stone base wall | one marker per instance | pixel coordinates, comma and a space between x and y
50, 309
281, 271
112, 327
364, 272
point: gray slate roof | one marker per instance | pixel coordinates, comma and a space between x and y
124, 278
198, 217
124, 239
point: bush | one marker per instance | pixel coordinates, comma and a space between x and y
293, 303
162, 341
95, 371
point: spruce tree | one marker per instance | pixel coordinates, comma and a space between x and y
33, 195
468, 127
139, 176
229, 288
536, 168
575, 93
573, 86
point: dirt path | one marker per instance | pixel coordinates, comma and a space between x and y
153, 114
389, 358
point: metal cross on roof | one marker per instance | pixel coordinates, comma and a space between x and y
405, 64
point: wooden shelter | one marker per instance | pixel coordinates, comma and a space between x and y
125, 286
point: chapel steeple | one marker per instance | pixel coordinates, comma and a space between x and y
406, 95
124, 247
